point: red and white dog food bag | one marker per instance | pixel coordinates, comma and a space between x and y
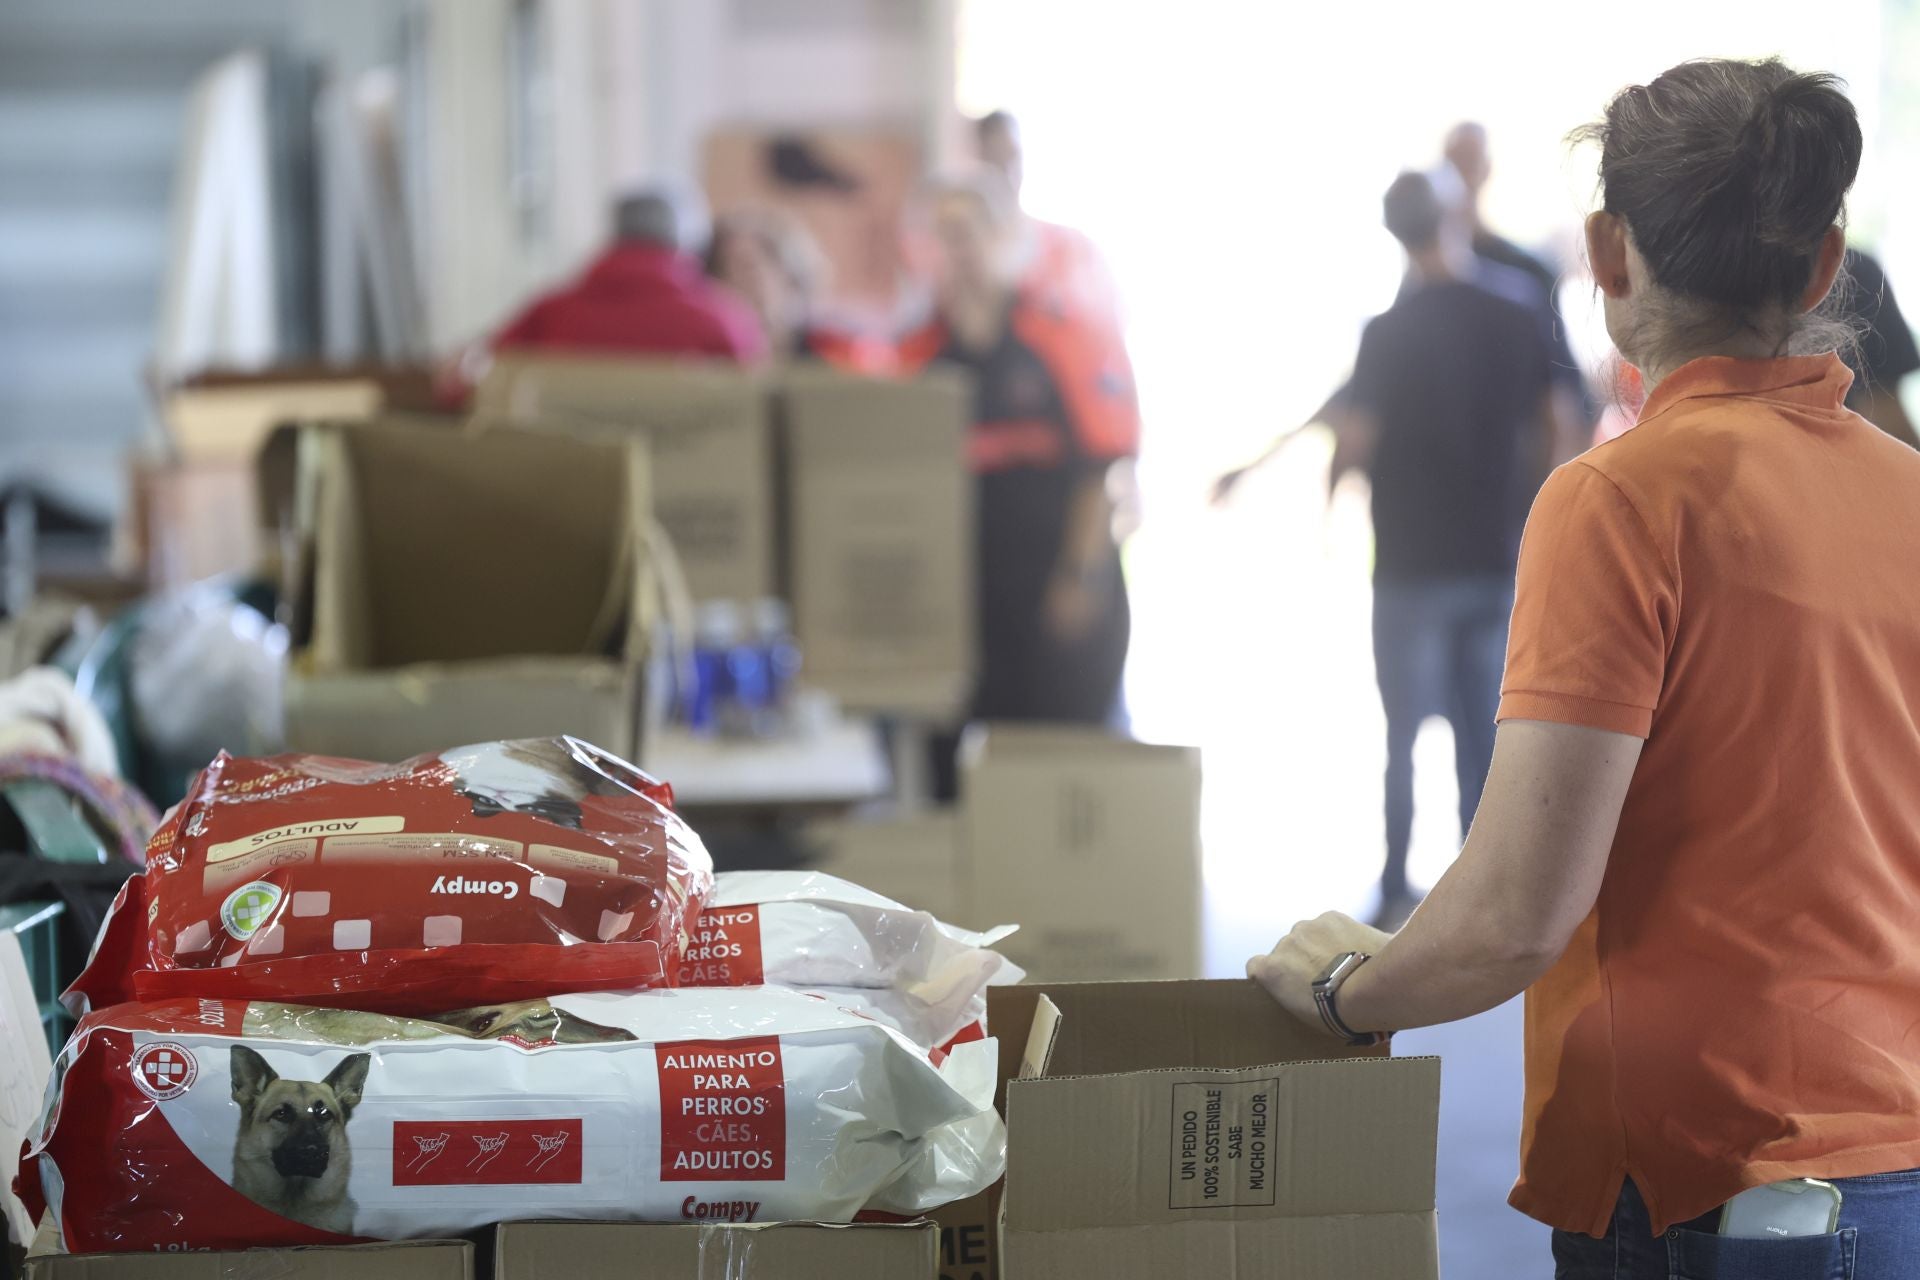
819, 933
495, 872
212, 1124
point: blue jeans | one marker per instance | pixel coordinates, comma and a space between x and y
1439, 648
1879, 1239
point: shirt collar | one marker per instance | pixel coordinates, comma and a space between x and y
1816, 382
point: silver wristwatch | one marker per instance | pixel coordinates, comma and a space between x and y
1326, 988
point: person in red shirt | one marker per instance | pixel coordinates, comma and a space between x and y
647, 294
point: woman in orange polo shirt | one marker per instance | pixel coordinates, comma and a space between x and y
1699, 847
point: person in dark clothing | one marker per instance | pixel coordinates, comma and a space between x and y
646, 295
1447, 385
1054, 415
1886, 354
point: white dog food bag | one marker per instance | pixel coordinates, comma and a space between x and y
209, 1124
820, 933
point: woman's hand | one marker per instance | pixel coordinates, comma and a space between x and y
1288, 971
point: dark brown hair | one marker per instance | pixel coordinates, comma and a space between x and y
1728, 174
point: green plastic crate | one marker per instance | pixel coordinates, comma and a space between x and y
37, 926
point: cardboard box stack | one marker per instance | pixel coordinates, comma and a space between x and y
1090, 841
847, 496
467, 586
881, 539
708, 430
207, 507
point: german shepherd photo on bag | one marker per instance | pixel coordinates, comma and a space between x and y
291, 1153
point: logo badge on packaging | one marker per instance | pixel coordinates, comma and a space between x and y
723, 1111
164, 1070
724, 949
249, 907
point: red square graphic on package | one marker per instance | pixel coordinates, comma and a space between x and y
485, 1153
723, 1111
724, 949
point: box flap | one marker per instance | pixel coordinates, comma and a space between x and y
1139, 1026
1291, 1140
775, 1251
397, 1260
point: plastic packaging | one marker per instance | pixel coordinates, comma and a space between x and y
197, 1124
817, 932
496, 872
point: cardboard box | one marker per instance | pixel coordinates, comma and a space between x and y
230, 421
911, 858
709, 437
201, 511
189, 520
780, 1251
882, 538
467, 587
1190, 1129
969, 1234
399, 1260
1091, 844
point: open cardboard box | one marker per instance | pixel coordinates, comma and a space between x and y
881, 538
708, 432
468, 587
774, 1251
1161, 1129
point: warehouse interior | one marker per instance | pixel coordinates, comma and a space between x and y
380, 377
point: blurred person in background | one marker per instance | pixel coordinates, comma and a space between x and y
1054, 416
771, 263
1049, 255
1699, 850
1886, 354
646, 294
1467, 155
1444, 415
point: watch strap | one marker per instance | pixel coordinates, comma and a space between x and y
1325, 999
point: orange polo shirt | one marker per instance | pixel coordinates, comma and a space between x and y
1736, 580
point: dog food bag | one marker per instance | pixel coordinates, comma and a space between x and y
212, 1124
810, 929
502, 871
826, 935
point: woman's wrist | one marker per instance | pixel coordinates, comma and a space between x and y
1355, 1002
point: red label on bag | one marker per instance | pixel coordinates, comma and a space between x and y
723, 1111
485, 1153
724, 950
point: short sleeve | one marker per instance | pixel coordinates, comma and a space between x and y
1366, 388
1594, 610
1090, 368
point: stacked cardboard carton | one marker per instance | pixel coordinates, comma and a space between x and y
1091, 842
849, 496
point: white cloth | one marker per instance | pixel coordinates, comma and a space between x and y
41, 712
